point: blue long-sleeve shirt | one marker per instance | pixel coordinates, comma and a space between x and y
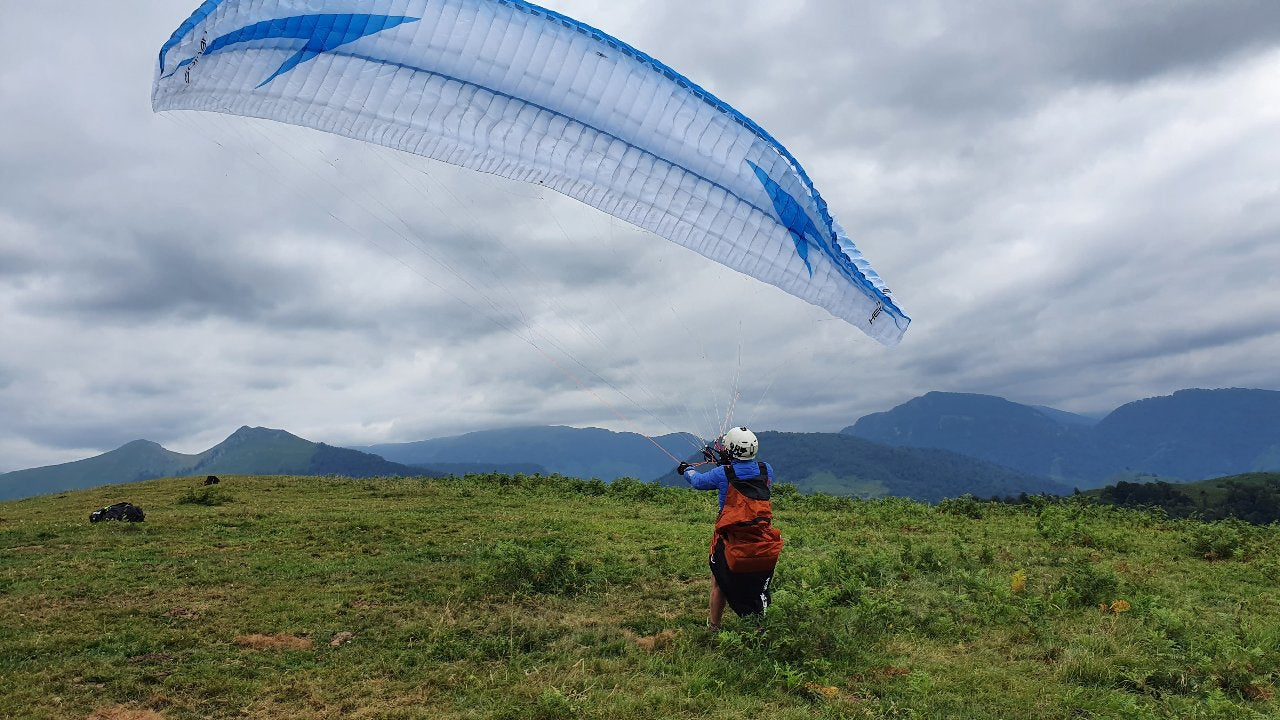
715, 478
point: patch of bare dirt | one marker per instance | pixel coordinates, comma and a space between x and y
654, 643
274, 642
120, 712
1259, 692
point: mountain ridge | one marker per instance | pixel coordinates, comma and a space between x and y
260, 451
814, 462
996, 446
575, 452
1193, 434
839, 464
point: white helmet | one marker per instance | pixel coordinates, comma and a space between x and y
741, 444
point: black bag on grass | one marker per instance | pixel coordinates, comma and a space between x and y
119, 511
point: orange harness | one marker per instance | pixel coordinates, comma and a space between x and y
751, 543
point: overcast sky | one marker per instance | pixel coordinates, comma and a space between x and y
1077, 202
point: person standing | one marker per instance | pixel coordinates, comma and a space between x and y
745, 546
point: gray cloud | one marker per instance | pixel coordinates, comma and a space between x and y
1131, 42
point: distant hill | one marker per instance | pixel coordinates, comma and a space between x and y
937, 445
839, 464
1067, 418
1195, 434
247, 451
477, 468
1253, 497
1190, 435
137, 460
989, 428
573, 452
814, 462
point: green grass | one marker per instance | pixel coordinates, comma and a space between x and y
501, 597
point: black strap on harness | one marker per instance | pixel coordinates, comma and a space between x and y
756, 488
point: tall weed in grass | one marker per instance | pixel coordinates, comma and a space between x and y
208, 496
539, 567
964, 506
1220, 540
1151, 653
1087, 584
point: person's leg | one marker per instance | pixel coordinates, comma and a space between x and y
715, 609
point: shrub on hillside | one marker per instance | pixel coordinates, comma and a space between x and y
1219, 540
546, 567
1087, 584
964, 506
208, 496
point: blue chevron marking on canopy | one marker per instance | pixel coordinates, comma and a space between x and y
321, 33
205, 10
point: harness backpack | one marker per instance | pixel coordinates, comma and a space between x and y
751, 543
119, 511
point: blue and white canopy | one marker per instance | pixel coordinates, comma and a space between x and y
507, 87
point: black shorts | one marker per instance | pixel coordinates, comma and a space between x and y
747, 593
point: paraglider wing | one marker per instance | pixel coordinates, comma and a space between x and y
507, 87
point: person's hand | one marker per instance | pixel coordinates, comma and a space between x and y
682, 468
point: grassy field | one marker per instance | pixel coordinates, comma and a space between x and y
542, 598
